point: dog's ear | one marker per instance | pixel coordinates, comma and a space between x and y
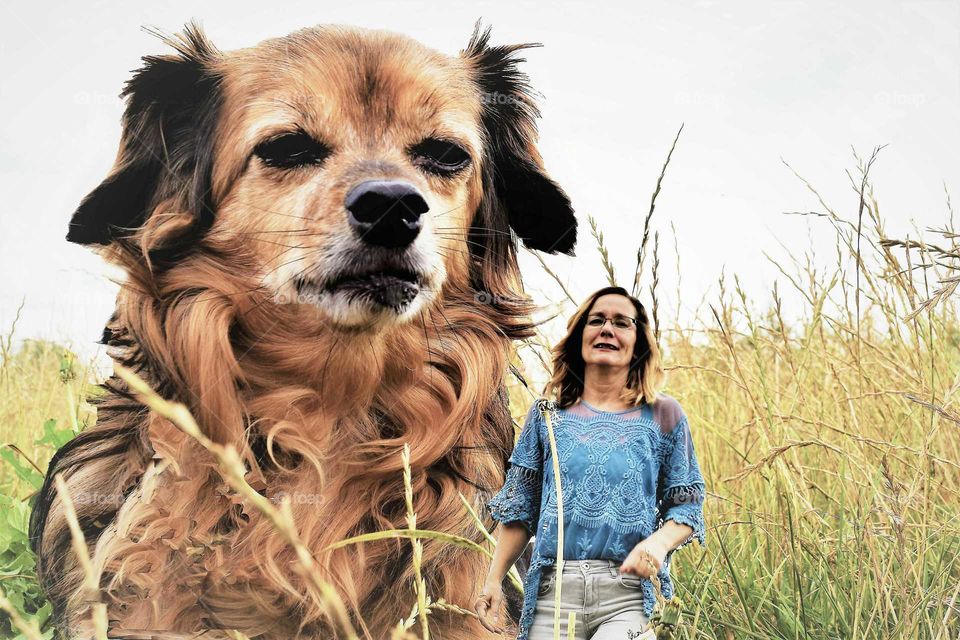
166, 147
536, 207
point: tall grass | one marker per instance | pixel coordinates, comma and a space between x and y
830, 443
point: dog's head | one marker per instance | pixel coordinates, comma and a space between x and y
356, 171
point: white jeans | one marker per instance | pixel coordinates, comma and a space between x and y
606, 604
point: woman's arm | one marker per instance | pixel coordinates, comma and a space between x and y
511, 541
517, 507
647, 557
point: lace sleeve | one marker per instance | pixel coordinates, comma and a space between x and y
681, 490
519, 499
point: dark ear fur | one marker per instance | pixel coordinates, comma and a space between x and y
536, 207
165, 148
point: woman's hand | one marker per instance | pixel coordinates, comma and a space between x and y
488, 607
646, 559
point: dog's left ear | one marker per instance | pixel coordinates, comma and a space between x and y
165, 153
536, 207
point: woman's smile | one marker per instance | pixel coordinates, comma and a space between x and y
606, 346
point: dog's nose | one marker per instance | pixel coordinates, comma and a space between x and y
385, 213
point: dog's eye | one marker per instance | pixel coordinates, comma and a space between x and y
441, 157
291, 150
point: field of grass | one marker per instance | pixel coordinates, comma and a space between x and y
830, 445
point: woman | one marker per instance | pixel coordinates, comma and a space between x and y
632, 487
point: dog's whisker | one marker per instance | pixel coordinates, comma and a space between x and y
465, 241
440, 333
476, 230
448, 211
280, 244
280, 213
271, 232
426, 339
265, 274
447, 252
452, 253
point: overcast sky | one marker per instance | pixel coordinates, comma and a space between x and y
753, 83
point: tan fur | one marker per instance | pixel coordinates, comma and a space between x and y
183, 553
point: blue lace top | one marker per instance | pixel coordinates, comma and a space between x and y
623, 474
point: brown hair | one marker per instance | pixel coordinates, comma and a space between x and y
646, 373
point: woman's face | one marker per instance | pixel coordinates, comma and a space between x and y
609, 344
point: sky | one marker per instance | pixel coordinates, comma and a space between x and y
756, 85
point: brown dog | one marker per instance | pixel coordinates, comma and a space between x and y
320, 239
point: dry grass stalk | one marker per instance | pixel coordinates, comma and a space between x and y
552, 274
558, 571
91, 583
778, 451
513, 573
655, 307
420, 586
646, 222
602, 248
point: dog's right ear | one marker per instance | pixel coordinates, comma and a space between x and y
166, 147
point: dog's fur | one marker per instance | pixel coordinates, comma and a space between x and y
318, 393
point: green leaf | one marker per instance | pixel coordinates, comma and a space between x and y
20, 564
16, 513
22, 469
43, 614
54, 437
16, 599
6, 539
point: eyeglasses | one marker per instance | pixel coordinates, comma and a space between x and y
620, 323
